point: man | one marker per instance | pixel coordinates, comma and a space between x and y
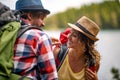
34, 47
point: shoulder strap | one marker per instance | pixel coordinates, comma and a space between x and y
37, 72
25, 28
61, 55
22, 78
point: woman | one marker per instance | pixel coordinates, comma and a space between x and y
81, 60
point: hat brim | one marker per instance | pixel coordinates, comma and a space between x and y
80, 30
42, 10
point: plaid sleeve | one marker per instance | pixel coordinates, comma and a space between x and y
35, 43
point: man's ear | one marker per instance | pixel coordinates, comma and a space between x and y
30, 17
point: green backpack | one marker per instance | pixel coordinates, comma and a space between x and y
8, 35
9, 28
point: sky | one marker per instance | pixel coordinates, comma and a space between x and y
55, 6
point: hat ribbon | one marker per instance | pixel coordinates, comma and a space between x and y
82, 28
33, 6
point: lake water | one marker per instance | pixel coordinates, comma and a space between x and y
109, 48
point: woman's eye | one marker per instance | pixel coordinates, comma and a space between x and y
75, 35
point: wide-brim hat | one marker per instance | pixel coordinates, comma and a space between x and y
87, 27
31, 5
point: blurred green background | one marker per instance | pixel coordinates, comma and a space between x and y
106, 14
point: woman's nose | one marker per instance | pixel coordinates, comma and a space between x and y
69, 35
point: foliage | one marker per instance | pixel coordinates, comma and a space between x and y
105, 14
116, 74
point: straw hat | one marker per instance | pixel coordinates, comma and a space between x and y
87, 27
31, 5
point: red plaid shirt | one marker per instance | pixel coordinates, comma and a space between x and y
33, 48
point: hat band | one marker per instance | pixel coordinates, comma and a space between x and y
32, 7
82, 28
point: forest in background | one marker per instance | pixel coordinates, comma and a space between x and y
106, 14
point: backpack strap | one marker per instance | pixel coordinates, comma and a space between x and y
23, 29
61, 55
37, 72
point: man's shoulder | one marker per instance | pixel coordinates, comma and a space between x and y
30, 30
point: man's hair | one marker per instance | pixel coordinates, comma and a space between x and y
34, 14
